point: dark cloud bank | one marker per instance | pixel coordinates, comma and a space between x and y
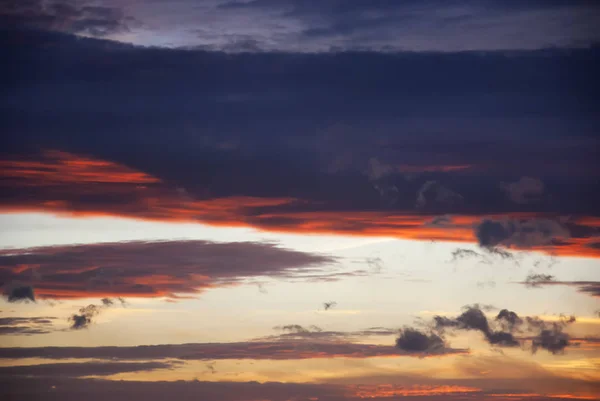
151, 269
461, 133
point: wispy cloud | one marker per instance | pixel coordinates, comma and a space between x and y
26, 325
541, 280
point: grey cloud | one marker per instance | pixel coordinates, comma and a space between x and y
295, 332
127, 268
84, 318
393, 25
550, 336
81, 369
526, 190
65, 16
540, 381
434, 193
26, 325
501, 331
539, 280
262, 350
16, 292
520, 233
462, 253
329, 305
509, 319
414, 340
297, 329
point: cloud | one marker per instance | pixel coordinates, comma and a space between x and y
329, 305
414, 340
509, 320
155, 269
550, 335
59, 370
15, 292
440, 221
83, 319
434, 193
411, 389
247, 185
537, 280
297, 329
526, 190
463, 253
26, 325
501, 330
65, 16
520, 233
262, 350
540, 280
295, 332
55, 168
425, 25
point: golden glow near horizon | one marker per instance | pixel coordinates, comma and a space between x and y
214, 316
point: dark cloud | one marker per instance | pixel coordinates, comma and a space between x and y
485, 257
550, 336
130, 268
520, 233
83, 319
58, 370
16, 292
329, 25
461, 253
526, 190
26, 325
417, 341
501, 331
65, 16
490, 115
540, 280
425, 25
406, 387
270, 350
296, 332
329, 305
536, 280
434, 193
509, 320
107, 302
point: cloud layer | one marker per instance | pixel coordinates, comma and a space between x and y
153, 269
474, 142
273, 350
329, 25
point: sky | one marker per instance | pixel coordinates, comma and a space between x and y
292, 200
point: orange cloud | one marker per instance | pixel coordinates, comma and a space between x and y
69, 185
522, 396
389, 390
57, 167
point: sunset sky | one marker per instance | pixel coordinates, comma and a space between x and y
299, 200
